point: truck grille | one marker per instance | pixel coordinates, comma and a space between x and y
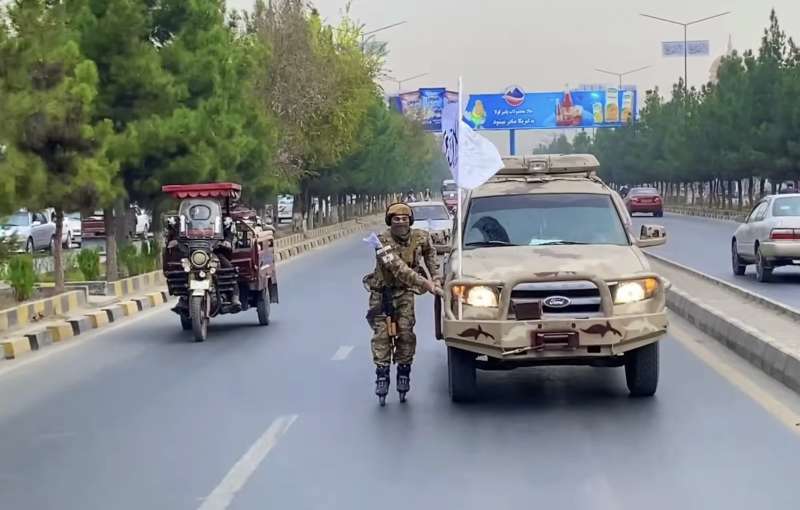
583, 298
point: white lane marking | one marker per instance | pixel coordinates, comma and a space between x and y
342, 353
737, 377
222, 496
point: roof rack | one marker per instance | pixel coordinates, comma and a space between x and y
549, 164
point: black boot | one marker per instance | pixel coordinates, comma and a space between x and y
382, 382
403, 380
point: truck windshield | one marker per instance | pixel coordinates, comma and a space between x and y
200, 214
543, 219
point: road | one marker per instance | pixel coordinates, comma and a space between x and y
704, 244
284, 417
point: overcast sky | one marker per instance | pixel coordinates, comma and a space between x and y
546, 45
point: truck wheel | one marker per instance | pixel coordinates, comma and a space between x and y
641, 370
29, 245
199, 318
186, 322
461, 375
263, 308
52, 246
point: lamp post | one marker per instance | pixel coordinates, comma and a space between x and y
620, 75
381, 29
686, 25
400, 82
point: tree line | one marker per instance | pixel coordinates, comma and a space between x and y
724, 144
103, 101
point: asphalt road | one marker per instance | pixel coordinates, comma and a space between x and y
284, 417
704, 244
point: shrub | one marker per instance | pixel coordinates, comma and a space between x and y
21, 276
89, 264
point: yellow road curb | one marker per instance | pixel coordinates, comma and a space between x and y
15, 347
156, 298
97, 319
129, 308
60, 331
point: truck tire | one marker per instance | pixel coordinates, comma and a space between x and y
199, 318
186, 322
461, 375
263, 307
641, 370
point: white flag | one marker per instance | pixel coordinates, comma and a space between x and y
472, 158
478, 159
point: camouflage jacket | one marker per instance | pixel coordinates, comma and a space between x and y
399, 264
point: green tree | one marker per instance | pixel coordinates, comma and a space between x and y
49, 99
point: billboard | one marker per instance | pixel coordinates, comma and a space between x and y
695, 49
425, 105
514, 109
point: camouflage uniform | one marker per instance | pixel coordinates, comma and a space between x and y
398, 275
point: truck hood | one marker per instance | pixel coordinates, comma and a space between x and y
503, 263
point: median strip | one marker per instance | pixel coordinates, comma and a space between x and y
743, 321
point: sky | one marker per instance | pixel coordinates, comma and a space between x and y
547, 45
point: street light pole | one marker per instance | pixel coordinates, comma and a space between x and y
686, 25
381, 29
400, 82
620, 75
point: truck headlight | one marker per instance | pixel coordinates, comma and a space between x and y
479, 296
634, 291
186, 265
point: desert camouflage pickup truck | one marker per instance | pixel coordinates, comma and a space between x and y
553, 274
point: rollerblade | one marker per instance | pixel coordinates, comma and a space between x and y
382, 383
403, 380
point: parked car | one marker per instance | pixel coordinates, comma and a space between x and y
138, 224
34, 231
769, 238
644, 200
72, 230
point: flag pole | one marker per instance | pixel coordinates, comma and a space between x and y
459, 209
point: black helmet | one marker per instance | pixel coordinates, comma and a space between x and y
399, 208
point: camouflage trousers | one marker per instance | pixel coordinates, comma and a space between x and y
386, 350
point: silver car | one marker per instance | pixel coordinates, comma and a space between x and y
33, 231
769, 238
434, 218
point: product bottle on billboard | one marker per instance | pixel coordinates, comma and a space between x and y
612, 105
627, 106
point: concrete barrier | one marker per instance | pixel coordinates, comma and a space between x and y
15, 347
28, 313
115, 313
98, 319
60, 331
39, 339
80, 325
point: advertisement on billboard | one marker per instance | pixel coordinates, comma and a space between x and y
515, 109
425, 105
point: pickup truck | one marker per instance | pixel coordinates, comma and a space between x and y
138, 224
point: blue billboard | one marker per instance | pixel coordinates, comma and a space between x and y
425, 105
514, 109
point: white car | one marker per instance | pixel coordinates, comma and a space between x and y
33, 231
72, 230
769, 238
434, 218
142, 222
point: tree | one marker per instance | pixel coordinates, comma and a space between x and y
49, 99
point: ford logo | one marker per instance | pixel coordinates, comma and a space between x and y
557, 302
